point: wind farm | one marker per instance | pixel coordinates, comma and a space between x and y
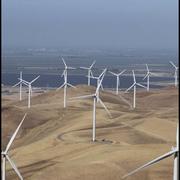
89, 90
97, 136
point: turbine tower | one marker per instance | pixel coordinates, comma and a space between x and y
29, 85
117, 79
134, 86
174, 152
95, 98
5, 156
65, 84
20, 86
89, 72
175, 73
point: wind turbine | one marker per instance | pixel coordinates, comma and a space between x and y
29, 89
65, 84
20, 86
89, 72
175, 73
117, 79
134, 86
98, 80
148, 74
5, 156
174, 151
95, 98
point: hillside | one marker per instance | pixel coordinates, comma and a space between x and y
55, 143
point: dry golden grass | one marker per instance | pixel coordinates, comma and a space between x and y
55, 143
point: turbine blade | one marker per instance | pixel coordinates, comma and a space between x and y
152, 162
104, 106
125, 100
113, 73
173, 64
134, 78
92, 64
147, 68
71, 68
154, 74
145, 76
83, 97
91, 74
34, 79
24, 82
102, 87
60, 86
14, 167
103, 74
14, 135
27, 84
63, 73
130, 87
71, 85
17, 84
140, 85
64, 62
90, 77
84, 68
93, 77
122, 72
20, 74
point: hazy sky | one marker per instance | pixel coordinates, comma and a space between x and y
90, 23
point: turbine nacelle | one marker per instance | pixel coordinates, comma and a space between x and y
4, 154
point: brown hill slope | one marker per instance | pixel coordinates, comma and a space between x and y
55, 143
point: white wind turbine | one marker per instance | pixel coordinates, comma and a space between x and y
20, 86
134, 86
117, 79
29, 84
148, 74
175, 73
174, 152
5, 156
95, 98
89, 72
98, 80
65, 84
